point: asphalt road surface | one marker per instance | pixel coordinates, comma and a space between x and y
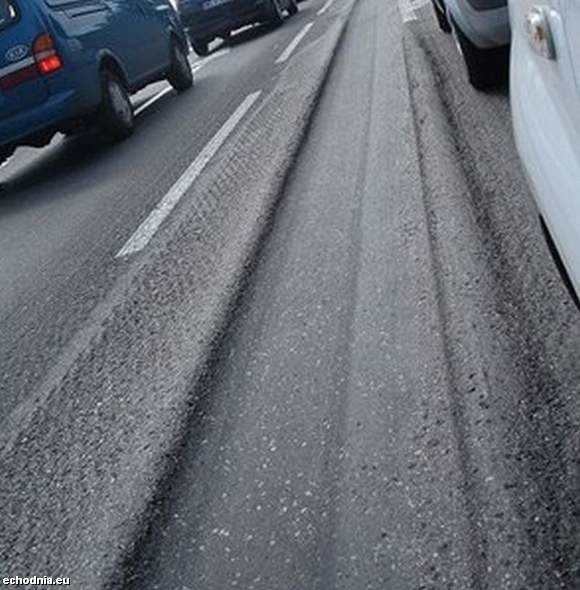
67, 210
405, 271
396, 401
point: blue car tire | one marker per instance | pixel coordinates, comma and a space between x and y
180, 75
116, 114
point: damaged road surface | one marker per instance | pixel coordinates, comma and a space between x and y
383, 412
323, 453
343, 359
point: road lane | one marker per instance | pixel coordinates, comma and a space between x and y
514, 325
373, 421
285, 55
151, 224
326, 6
83, 458
404, 319
66, 210
322, 454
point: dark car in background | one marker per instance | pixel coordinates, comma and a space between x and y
207, 20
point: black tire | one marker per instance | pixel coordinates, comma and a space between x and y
486, 68
180, 75
441, 17
292, 7
116, 115
275, 16
200, 46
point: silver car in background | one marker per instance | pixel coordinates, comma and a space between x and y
481, 29
545, 101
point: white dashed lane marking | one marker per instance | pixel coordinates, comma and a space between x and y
153, 100
151, 224
326, 6
294, 43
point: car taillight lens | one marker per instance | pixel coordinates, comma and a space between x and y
47, 58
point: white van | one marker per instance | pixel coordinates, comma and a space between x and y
545, 100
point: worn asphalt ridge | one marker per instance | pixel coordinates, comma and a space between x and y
82, 460
511, 333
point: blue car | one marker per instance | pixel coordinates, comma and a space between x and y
66, 65
206, 20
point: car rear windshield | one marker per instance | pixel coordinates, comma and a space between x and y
8, 13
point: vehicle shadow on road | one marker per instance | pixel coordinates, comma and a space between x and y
32, 178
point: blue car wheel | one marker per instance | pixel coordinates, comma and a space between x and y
180, 75
116, 117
